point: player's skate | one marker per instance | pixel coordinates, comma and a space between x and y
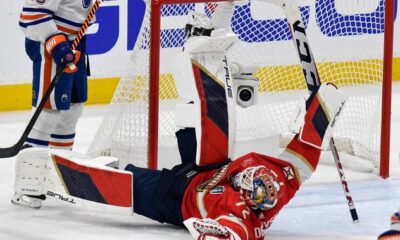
394, 232
30, 178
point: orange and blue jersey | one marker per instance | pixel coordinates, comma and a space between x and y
71, 88
40, 19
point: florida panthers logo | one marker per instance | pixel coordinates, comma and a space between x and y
86, 3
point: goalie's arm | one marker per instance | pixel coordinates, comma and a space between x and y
323, 109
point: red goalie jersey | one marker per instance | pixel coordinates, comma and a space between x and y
211, 194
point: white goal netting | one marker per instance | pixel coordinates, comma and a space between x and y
346, 37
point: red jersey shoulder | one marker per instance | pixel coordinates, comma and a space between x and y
284, 170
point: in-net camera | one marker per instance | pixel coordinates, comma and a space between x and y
245, 83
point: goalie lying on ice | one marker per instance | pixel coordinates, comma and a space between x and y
215, 198
230, 200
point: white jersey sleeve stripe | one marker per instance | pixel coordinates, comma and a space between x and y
25, 23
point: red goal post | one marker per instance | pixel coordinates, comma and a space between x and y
155, 75
387, 89
155, 22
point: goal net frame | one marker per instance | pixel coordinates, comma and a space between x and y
154, 82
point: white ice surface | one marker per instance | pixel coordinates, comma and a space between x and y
319, 210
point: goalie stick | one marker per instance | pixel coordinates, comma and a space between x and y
14, 150
313, 81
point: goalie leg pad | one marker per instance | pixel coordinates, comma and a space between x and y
72, 178
209, 229
92, 186
64, 132
323, 110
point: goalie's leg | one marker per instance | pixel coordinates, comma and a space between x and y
158, 194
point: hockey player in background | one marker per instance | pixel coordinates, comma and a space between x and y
394, 232
49, 28
212, 196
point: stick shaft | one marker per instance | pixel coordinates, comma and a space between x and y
313, 81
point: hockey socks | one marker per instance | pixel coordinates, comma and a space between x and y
62, 141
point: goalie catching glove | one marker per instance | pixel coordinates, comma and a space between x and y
209, 229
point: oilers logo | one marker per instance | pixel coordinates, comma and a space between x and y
86, 3
64, 97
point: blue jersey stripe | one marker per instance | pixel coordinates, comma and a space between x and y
35, 22
67, 21
58, 136
40, 10
37, 141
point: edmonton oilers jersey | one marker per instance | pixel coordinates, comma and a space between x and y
40, 19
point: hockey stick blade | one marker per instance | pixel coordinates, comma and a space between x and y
14, 150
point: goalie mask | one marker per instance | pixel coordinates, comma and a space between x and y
259, 187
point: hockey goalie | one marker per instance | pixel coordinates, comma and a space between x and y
213, 196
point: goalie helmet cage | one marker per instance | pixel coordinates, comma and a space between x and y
140, 119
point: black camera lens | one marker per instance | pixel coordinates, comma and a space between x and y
245, 94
